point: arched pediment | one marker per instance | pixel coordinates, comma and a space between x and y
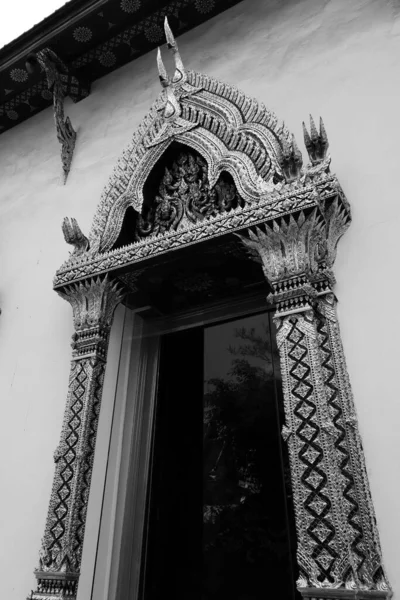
233, 133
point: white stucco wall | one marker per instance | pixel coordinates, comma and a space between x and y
335, 58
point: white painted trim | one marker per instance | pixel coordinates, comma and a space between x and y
127, 570
122, 516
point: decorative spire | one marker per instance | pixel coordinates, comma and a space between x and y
172, 45
317, 144
173, 90
292, 159
313, 131
322, 130
307, 139
73, 235
179, 74
298, 157
162, 72
171, 41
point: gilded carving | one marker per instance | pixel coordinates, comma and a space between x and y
338, 542
185, 197
231, 131
364, 547
292, 160
174, 90
74, 236
93, 304
290, 218
294, 198
316, 143
60, 81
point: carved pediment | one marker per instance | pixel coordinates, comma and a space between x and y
184, 197
232, 132
178, 198
240, 167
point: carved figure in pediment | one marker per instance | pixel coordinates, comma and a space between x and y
185, 197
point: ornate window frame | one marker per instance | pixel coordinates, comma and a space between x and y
292, 219
117, 570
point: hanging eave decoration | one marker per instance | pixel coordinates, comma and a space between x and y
61, 81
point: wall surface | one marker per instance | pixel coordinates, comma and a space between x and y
335, 58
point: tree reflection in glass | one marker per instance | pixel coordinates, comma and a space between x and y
247, 551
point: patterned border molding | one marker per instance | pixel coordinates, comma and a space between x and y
291, 220
338, 550
93, 304
296, 197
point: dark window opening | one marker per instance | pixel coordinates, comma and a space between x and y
219, 516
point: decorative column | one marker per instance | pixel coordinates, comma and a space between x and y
93, 304
338, 550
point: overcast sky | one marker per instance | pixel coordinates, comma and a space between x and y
17, 16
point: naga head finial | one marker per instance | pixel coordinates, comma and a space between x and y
74, 236
316, 143
292, 159
179, 74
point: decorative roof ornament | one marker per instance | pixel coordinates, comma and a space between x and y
231, 131
162, 72
174, 89
317, 144
61, 82
73, 235
179, 74
292, 160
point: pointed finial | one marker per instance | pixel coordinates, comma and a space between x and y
297, 156
316, 143
179, 74
307, 139
313, 130
322, 132
162, 72
169, 35
292, 159
285, 148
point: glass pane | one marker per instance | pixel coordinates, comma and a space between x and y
246, 545
172, 545
218, 525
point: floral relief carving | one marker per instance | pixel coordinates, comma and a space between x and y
184, 197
